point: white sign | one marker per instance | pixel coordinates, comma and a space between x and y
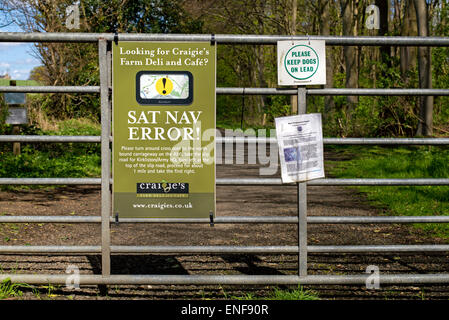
17, 116
300, 141
301, 62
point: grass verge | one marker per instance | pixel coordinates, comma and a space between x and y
281, 294
399, 162
57, 160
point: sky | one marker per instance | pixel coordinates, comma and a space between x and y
16, 58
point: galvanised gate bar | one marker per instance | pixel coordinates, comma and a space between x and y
302, 220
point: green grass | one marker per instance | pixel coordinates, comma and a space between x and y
43, 164
5, 82
58, 160
411, 162
281, 294
9, 289
74, 127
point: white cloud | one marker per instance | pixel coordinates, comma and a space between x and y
21, 74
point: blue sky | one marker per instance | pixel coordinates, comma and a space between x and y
16, 58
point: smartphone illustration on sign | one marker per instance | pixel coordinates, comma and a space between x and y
164, 87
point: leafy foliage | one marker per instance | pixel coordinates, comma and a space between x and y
76, 64
249, 65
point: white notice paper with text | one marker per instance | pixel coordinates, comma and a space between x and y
300, 141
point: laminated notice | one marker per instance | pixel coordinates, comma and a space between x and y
300, 141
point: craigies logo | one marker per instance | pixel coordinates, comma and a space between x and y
166, 186
162, 187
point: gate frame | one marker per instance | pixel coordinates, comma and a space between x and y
104, 41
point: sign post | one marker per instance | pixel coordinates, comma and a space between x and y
16, 115
300, 63
164, 129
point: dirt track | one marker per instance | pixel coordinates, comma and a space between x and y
231, 201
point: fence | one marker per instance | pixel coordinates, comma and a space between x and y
302, 220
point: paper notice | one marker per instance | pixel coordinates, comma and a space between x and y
300, 141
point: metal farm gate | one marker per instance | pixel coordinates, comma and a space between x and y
302, 220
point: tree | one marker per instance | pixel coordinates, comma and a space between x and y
77, 64
350, 52
409, 27
425, 125
38, 74
329, 104
292, 31
383, 30
254, 65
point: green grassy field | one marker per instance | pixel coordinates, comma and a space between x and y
5, 82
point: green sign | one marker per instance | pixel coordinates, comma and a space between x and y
164, 129
301, 62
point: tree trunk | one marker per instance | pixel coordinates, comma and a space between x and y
350, 53
383, 29
329, 104
409, 28
425, 125
293, 98
260, 58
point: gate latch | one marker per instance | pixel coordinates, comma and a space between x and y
211, 217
